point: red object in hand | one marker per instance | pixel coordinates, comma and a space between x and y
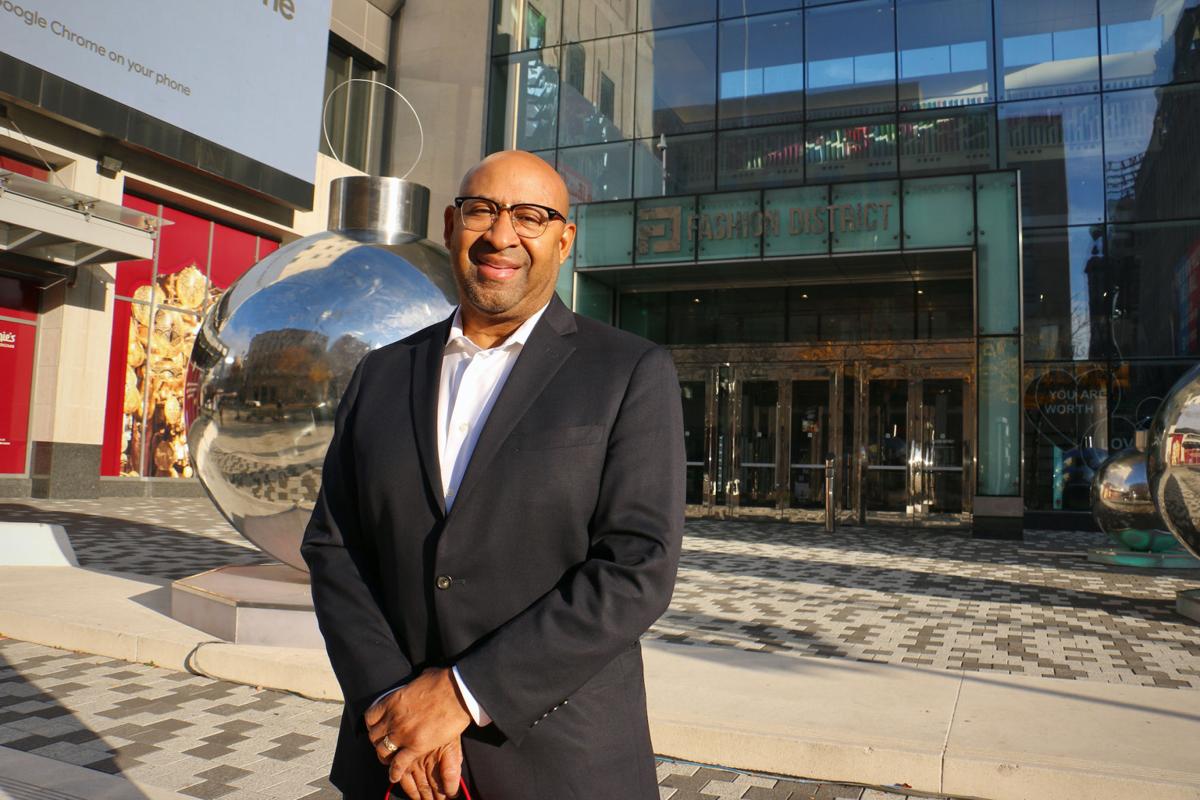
462, 784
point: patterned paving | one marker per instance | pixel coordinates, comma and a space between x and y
934, 599
210, 739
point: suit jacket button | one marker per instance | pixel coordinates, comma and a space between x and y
442, 582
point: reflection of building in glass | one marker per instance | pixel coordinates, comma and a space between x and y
286, 367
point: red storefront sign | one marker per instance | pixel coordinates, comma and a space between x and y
16, 375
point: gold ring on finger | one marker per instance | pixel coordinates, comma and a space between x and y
388, 745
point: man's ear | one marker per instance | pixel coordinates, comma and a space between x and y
565, 241
448, 230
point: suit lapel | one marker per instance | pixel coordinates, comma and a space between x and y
540, 359
426, 372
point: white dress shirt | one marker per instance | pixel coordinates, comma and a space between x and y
470, 382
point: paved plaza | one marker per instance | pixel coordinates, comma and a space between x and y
930, 600
935, 599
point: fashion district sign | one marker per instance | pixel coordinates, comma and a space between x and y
671, 225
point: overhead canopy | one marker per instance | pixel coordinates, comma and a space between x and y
47, 225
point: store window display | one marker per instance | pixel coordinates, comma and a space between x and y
159, 306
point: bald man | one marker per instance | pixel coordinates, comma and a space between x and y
499, 522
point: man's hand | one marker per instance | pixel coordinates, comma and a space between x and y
416, 719
435, 775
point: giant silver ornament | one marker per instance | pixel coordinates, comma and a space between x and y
1173, 464
1122, 505
275, 353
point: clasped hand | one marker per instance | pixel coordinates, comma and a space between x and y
423, 720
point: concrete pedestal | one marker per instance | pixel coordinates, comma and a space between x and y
34, 544
265, 605
1187, 604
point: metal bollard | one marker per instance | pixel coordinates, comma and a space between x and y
830, 516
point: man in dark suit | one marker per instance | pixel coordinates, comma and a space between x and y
500, 520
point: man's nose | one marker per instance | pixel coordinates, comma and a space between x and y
502, 234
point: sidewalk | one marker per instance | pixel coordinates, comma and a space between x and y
987, 669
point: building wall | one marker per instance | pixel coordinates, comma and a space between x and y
1096, 102
77, 417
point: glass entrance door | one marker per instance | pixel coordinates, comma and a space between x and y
885, 491
942, 453
915, 453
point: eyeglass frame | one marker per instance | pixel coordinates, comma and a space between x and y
551, 212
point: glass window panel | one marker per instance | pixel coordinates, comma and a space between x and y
850, 149
645, 313
952, 141
598, 172
664, 230
1046, 48
999, 258
1066, 432
760, 157
1155, 289
524, 101
863, 217
665, 13
762, 70
945, 309
1151, 169
598, 105
945, 52
171, 340
1057, 145
337, 71
122, 448
526, 24
1066, 294
132, 274
689, 166
587, 19
184, 243
939, 212
751, 315
799, 221
233, 252
999, 416
676, 80
850, 312
692, 317
605, 235
1148, 42
731, 225
851, 54
593, 299
740, 8
1138, 390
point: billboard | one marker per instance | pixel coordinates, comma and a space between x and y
247, 75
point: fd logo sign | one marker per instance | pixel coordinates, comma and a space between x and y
8, 339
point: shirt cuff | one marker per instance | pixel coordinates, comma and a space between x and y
389, 691
473, 708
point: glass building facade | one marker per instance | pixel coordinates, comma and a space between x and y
740, 132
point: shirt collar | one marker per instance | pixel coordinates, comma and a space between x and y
457, 340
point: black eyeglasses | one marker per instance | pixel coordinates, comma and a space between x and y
529, 220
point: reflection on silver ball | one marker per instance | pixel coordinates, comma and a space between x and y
271, 362
1123, 508
1173, 466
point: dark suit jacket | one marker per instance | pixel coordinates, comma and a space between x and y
559, 552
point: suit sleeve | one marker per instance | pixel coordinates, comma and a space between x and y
345, 582
602, 606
